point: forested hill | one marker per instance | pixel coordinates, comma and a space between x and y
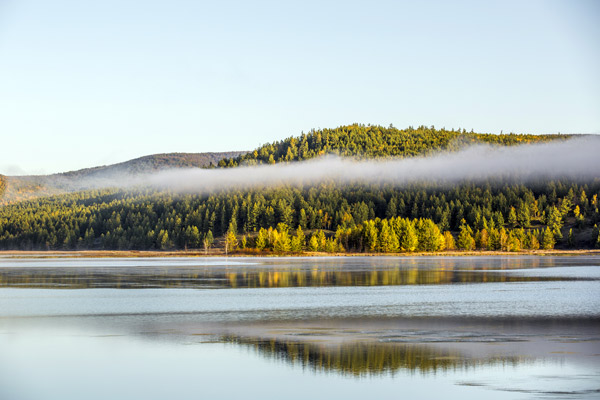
372, 141
498, 214
16, 188
363, 141
156, 162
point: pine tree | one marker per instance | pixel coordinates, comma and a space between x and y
89, 237
282, 243
514, 244
415, 211
370, 233
261, 239
532, 241
503, 239
331, 245
269, 216
321, 240
555, 222
298, 240
230, 242
163, 240
233, 222
253, 222
449, 241
524, 216
465, 240
571, 239
342, 236
302, 221
548, 241
482, 239
388, 242
494, 241
391, 208
409, 239
313, 243
566, 204
429, 236
193, 237
444, 223
512, 218
286, 212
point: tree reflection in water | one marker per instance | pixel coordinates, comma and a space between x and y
281, 275
367, 358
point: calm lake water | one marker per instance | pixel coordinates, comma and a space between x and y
349, 327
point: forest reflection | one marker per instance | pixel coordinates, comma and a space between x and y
405, 272
367, 358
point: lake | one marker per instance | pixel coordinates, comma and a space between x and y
505, 327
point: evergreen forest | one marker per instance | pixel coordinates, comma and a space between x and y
496, 215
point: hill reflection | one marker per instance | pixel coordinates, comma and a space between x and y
368, 358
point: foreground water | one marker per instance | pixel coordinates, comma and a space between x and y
493, 327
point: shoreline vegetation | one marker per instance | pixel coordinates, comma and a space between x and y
217, 253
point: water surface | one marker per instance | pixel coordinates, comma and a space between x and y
352, 327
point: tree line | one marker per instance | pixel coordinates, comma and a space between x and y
495, 215
394, 235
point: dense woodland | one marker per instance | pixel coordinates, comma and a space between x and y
493, 215
157, 220
371, 141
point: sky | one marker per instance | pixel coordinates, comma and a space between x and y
87, 83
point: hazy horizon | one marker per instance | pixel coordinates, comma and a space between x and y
88, 84
186, 152
571, 158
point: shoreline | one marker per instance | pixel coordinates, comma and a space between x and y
246, 254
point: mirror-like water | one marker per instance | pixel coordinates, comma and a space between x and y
190, 272
355, 327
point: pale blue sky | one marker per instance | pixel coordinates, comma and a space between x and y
84, 83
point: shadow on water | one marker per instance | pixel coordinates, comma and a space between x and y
283, 274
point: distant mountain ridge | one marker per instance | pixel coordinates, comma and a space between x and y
155, 162
356, 140
16, 188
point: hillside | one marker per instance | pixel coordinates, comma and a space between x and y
17, 188
155, 162
359, 141
497, 214
489, 215
372, 141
